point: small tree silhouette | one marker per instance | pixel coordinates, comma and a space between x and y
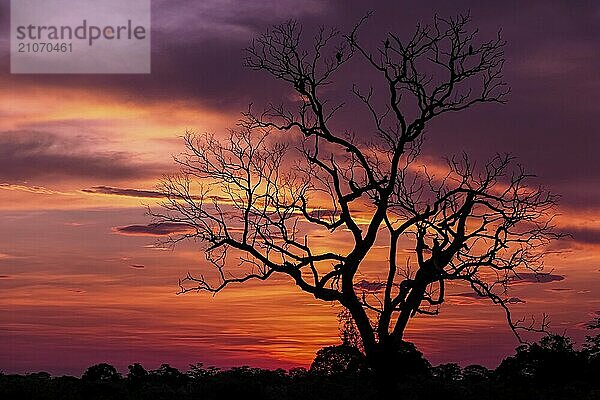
342, 359
102, 372
137, 374
169, 376
450, 372
253, 196
475, 373
349, 334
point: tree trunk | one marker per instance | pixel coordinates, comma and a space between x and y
385, 371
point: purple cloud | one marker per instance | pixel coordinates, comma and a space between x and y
585, 235
369, 286
151, 194
532, 277
197, 58
27, 155
154, 229
143, 193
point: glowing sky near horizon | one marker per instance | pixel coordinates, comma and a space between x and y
77, 290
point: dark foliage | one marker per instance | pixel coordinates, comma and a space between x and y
100, 373
550, 369
340, 359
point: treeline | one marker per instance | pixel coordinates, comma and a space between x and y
549, 369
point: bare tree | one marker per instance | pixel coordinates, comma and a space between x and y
253, 197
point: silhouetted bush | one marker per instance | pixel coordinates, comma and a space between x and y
448, 372
551, 360
101, 373
338, 360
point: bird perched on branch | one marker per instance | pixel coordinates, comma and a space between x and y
300, 84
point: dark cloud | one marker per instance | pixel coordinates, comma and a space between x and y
522, 278
143, 193
551, 67
151, 194
28, 155
369, 286
584, 235
196, 54
155, 229
532, 277
137, 266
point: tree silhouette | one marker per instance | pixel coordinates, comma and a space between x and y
253, 196
137, 374
348, 332
169, 375
591, 349
552, 360
475, 373
448, 372
102, 372
337, 360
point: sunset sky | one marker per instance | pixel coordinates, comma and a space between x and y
82, 280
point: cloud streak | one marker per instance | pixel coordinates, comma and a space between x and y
368, 286
585, 235
109, 190
142, 193
28, 155
154, 229
531, 277
29, 189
